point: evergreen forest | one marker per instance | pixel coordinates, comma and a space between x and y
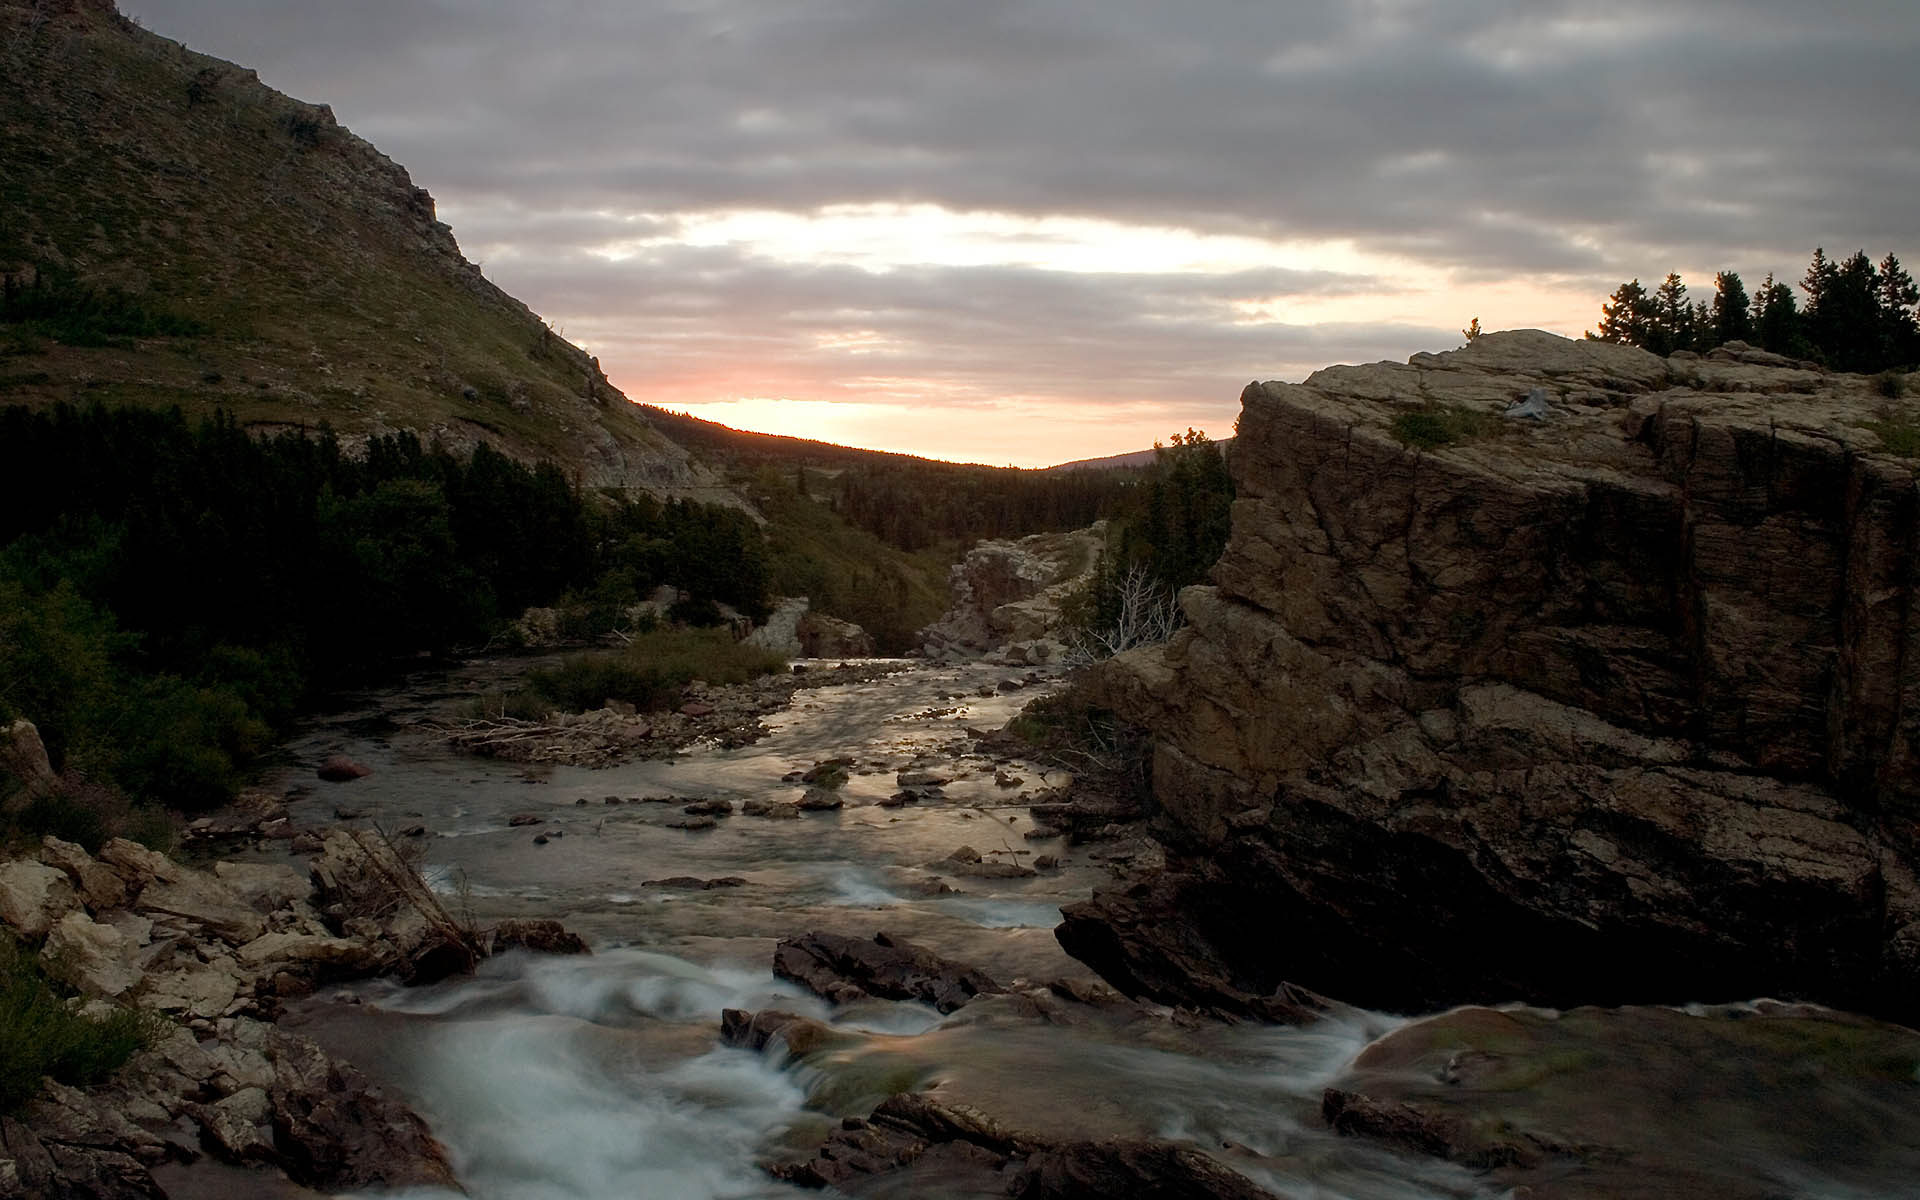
1851, 315
172, 592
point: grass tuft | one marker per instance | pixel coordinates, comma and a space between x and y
1440, 425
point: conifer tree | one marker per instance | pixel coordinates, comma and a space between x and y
1672, 317
1899, 332
1776, 319
1730, 321
1626, 317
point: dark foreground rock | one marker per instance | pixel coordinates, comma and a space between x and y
953, 1149
841, 969
1738, 1103
1610, 707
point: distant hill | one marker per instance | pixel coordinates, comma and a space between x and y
1136, 458
173, 231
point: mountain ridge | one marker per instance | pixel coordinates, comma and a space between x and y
321, 284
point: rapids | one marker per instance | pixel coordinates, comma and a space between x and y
602, 1077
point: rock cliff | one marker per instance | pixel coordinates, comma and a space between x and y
1615, 705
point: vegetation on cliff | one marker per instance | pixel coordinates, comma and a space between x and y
1857, 317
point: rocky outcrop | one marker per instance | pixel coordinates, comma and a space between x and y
208, 955
1610, 706
795, 630
1007, 596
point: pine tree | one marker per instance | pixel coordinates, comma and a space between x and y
1899, 332
1850, 316
1730, 322
1672, 317
1776, 319
1626, 317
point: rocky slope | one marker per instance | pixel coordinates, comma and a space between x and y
1611, 706
323, 285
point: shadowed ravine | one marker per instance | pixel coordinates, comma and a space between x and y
599, 1077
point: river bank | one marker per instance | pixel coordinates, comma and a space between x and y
607, 1075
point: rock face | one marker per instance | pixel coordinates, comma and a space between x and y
1008, 593
1605, 707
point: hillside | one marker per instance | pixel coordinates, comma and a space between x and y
187, 235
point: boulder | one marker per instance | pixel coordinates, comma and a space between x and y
822, 636
538, 935
34, 896
266, 887
338, 768
797, 1036
312, 956
842, 968
100, 887
364, 885
136, 865
202, 900
24, 756
96, 959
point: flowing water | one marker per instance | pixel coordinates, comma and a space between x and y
602, 1077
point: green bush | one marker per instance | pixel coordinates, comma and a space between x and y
41, 1035
653, 671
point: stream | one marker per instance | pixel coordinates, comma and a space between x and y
602, 1077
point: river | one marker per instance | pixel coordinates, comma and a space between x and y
602, 1077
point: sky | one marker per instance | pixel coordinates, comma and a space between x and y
1029, 231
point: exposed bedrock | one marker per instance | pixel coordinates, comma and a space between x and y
1614, 706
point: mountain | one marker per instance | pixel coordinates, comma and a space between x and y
1120, 462
174, 232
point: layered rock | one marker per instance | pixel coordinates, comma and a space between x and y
1604, 707
1007, 595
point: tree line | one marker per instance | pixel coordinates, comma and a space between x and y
172, 592
1855, 316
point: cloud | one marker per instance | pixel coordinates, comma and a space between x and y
1394, 166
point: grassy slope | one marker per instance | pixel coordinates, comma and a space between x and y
329, 290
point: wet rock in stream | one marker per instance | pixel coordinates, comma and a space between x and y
843, 969
955, 1147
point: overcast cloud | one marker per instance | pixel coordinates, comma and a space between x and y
1034, 231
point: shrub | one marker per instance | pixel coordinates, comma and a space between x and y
1440, 425
41, 1035
652, 672
1891, 384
